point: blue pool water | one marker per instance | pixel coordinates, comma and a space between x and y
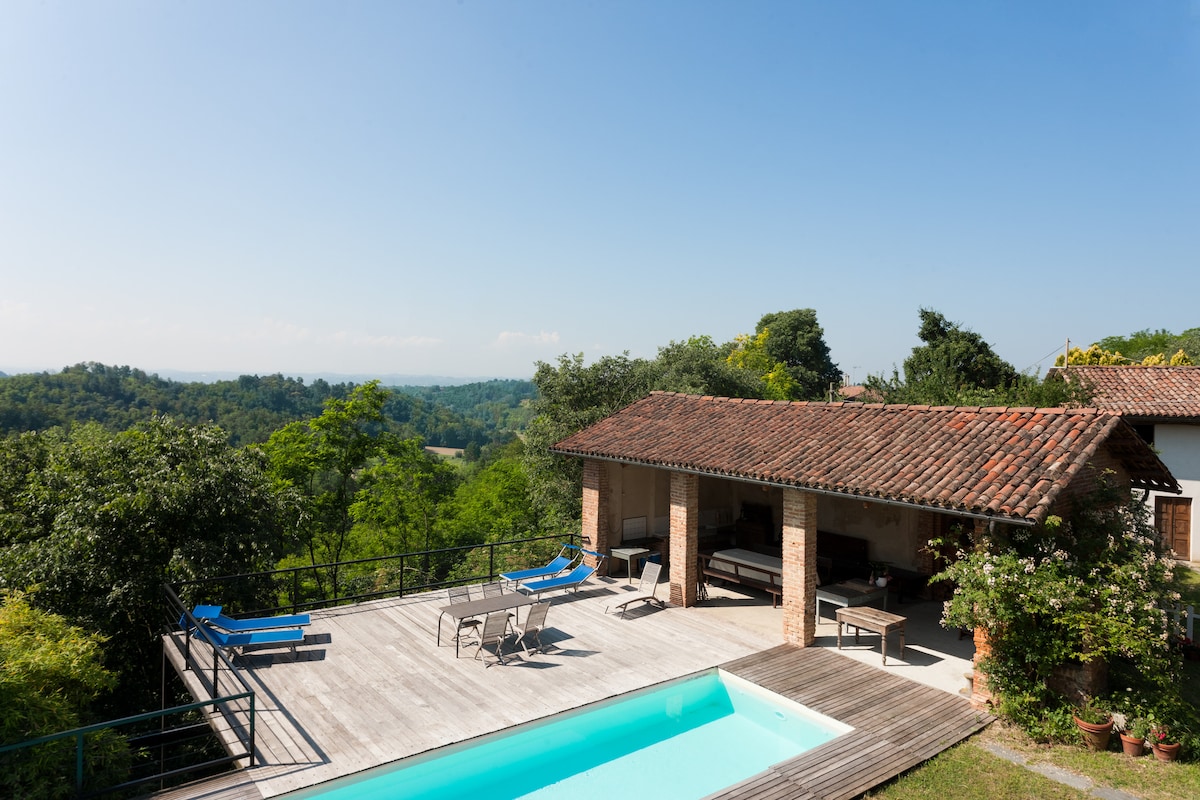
679, 741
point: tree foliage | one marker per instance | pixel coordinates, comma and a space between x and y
1098, 356
400, 497
795, 340
98, 522
51, 672
572, 396
698, 365
250, 408
750, 357
320, 461
1143, 344
957, 367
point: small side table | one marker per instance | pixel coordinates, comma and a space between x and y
873, 620
630, 556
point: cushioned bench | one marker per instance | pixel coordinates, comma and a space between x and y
746, 568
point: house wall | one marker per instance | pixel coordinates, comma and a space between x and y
1179, 448
894, 533
638, 492
1084, 482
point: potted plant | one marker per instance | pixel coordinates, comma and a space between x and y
1133, 738
1095, 723
1162, 743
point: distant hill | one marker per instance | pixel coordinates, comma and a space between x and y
249, 408
333, 377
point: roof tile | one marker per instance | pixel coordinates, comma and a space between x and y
1003, 462
1141, 392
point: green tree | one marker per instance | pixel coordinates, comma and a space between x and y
955, 366
1098, 356
700, 366
98, 522
572, 396
320, 461
401, 496
795, 340
51, 672
493, 504
750, 357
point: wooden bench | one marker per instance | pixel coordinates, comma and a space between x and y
756, 576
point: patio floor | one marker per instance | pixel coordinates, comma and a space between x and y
370, 685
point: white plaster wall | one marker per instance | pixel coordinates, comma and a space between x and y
1179, 448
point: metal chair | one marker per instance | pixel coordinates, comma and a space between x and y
535, 623
495, 631
462, 594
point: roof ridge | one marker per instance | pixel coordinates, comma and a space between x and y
885, 406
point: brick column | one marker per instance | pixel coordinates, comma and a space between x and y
684, 551
596, 496
926, 530
981, 697
799, 567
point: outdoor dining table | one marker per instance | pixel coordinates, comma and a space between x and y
479, 608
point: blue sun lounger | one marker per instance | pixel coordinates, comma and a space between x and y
572, 580
225, 622
234, 641
564, 560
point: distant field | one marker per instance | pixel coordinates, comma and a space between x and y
446, 452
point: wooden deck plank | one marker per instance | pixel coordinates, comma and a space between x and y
374, 688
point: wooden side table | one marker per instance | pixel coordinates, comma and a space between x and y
874, 621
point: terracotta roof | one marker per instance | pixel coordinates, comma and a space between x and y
1010, 463
1142, 392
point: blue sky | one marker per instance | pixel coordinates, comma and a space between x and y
464, 189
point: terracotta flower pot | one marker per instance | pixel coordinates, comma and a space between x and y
1095, 736
1166, 752
1132, 746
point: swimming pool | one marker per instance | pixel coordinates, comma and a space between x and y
678, 741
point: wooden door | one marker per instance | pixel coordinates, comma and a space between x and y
1173, 518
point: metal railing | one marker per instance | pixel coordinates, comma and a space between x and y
153, 752
229, 712
312, 586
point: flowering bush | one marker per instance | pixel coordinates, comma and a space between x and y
1068, 591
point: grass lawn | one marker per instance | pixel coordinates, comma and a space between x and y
970, 772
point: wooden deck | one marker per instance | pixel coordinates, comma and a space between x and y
897, 723
370, 686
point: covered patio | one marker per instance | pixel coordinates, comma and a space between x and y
829, 487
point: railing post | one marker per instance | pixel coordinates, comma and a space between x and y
252, 717
491, 560
79, 763
295, 591
402, 575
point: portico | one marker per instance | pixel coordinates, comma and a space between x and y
893, 476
